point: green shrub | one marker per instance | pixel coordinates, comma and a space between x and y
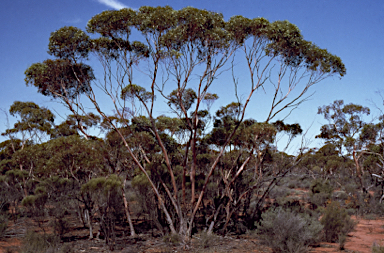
3, 225
370, 216
371, 204
351, 211
340, 196
60, 226
172, 239
342, 241
351, 188
207, 240
336, 222
34, 242
320, 192
288, 231
66, 248
304, 184
376, 248
279, 192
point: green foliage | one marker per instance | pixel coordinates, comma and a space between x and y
73, 123
200, 27
285, 41
370, 216
154, 20
135, 91
172, 125
327, 160
320, 192
255, 135
377, 248
35, 205
207, 240
288, 231
3, 225
345, 124
293, 129
182, 99
69, 43
351, 188
60, 78
34, 242
224, 124
172, 239
336, 222
60, 226
279, 192
102, 184
340, 196
74, 156
342, 240
32, 118
17, 174
106, 193
242, 28
141, 123
113, 24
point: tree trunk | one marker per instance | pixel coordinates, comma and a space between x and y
133, 234
211, 226
88, 219
358, 169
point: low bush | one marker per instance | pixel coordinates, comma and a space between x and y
370, 216
172, 239
304, 184
336, 222
376, 248
342, 241
285, 230
340, 196
207, 240
34, 242
351, 211
279, 192
60, 226
351, 188
319, 193
3, 225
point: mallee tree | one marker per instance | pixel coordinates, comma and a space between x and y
183, 51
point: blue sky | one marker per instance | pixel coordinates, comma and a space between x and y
353, 30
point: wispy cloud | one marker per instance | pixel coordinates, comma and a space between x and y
115, 4
72, 21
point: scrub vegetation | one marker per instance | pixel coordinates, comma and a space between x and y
192, 172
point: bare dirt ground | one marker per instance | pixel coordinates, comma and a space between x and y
366, 233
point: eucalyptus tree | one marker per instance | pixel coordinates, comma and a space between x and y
347, 130
184, 51
105, 193
33, 126
34, 122
75, 124
326, 162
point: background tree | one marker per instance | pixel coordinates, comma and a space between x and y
34, 122
345, 130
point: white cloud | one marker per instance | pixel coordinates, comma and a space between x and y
115, 4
